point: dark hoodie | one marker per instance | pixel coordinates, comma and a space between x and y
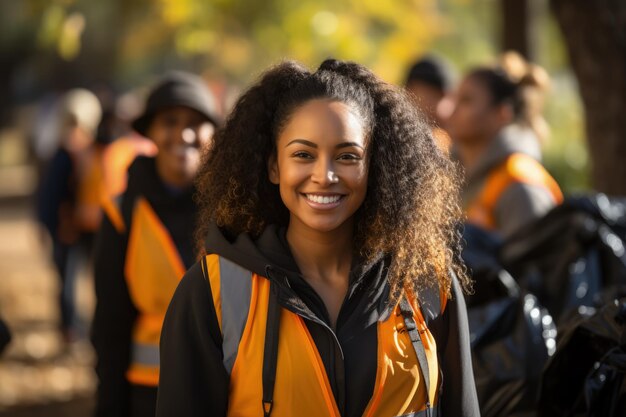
115, 313
193, 381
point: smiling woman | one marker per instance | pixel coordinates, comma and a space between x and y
329, 285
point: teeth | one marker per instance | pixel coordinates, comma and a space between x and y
323, 199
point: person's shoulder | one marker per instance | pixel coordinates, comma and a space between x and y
527, 197
141, 165
520, 204
61, 161
193, 305
141, 177
193, 281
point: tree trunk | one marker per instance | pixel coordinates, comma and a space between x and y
515, 26
595, 35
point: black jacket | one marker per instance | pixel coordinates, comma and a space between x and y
115, 313
193, 381
57, 187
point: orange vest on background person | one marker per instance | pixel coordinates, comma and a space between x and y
117, 158
153, 269
89, 171
302, 387
517, 168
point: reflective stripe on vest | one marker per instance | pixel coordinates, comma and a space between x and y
231, 316
517, 168
153, 269
302, 387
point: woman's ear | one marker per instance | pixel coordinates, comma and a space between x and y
272, 169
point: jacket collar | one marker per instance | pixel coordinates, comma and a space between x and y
269, 256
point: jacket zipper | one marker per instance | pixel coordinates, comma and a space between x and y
335, 339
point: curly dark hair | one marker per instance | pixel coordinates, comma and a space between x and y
411, 211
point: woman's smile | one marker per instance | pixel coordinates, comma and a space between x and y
324, 201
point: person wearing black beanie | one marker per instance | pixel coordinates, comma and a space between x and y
145, 244
427, 82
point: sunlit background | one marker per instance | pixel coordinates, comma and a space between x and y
117, 48
50, 46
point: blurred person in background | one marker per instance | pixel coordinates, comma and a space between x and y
427, 82
64, 201
102, 170
497, 129
145, 245
44, 132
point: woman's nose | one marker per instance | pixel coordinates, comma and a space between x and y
325, 174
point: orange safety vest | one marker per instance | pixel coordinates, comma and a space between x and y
153, 269
89, 170
302, 387
517, 168
117, 158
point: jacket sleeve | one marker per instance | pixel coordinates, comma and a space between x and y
193, 380
112, 324
519, 205
458, 398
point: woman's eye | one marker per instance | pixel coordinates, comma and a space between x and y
302, 154
349, 157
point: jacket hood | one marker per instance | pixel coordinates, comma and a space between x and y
269, 256
270, 250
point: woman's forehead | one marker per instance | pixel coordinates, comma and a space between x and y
320, 119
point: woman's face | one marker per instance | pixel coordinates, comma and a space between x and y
474, 118
321, 165
179, 133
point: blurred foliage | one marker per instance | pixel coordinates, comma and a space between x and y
126, 42
230, 37
469, 37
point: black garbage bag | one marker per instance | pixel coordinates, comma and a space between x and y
512, 335
570, 255
587, 374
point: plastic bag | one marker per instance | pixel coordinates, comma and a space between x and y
569, 256
511, 334
587, 374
